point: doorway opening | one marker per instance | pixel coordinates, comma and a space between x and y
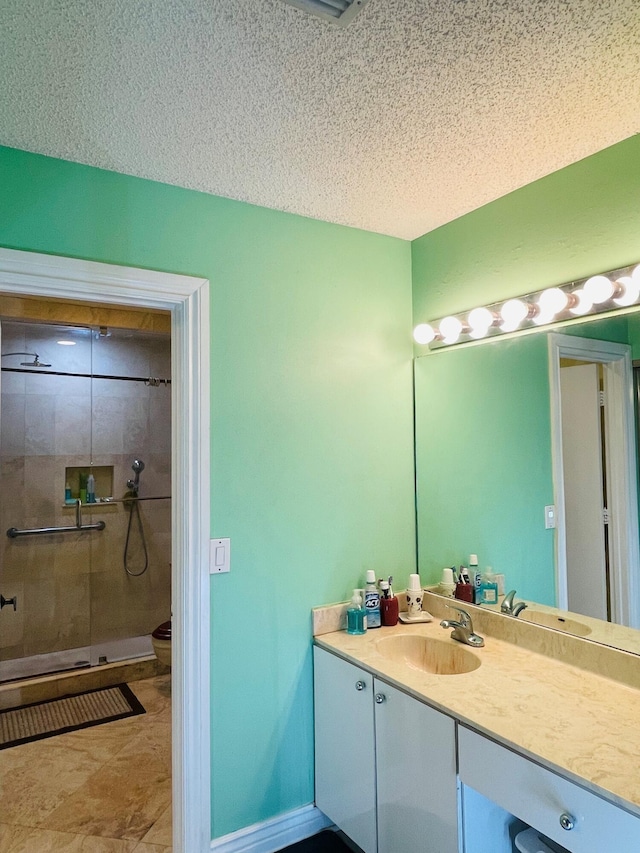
187, 298
594, 475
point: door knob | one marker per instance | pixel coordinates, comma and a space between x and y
4, 601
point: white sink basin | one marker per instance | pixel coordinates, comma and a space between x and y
552, 620
438, 657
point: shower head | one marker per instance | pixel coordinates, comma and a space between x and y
138, 465
36, 359
35, 363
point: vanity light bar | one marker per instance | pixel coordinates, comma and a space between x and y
598, 294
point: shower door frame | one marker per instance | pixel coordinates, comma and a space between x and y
187, 298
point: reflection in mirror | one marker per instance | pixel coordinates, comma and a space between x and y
484, 465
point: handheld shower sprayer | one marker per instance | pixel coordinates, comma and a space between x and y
137, 467
134, 509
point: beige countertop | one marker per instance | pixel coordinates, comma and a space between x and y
577, 722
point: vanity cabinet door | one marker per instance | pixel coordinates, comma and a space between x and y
416, 773
345, 747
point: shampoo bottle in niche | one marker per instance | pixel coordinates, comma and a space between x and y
372, 601
388, 604
67, 493
91, 489
356, 614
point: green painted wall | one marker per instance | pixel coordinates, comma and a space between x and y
483, 483
580, 220
312, 466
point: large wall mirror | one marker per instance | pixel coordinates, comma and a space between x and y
509, 427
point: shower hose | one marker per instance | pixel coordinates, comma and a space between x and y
134, 509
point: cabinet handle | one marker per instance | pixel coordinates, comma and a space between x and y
360, 685
380, 698
566, 821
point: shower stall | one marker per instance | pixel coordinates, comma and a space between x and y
85, 485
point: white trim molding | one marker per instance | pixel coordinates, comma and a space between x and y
46, 276
624, 540
275, 833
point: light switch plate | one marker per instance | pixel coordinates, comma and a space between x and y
550, 517
219, 556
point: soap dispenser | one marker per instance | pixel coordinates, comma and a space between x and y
356, 614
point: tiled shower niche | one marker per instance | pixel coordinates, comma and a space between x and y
72, 590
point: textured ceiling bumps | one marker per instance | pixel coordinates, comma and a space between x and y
417, 112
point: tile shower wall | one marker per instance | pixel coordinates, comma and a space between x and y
72, 590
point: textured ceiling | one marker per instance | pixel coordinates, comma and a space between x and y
415, 113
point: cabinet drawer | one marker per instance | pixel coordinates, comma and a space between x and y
539, 797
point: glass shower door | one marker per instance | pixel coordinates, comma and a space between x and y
45, 432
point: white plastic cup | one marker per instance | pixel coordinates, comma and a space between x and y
414, 583
447, 576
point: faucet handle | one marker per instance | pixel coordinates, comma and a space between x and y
465, 618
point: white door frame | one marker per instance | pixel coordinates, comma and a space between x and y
624, 539
187, 298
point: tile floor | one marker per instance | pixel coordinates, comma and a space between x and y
105, 789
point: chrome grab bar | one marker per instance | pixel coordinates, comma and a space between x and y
13, 532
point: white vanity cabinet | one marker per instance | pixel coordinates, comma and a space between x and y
568, 814
345, 752
385, 762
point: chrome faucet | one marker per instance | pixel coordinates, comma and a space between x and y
462, 628
509, 607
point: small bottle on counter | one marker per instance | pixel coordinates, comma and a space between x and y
489, 587
476, 579
372, 601
356, 614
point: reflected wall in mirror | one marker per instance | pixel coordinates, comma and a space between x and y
484, 470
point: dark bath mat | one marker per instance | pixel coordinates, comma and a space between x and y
56, 716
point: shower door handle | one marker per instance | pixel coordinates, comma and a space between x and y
4, 601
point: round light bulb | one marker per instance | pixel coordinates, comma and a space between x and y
598, 288
480, 321
543, 317
424, 333
513, 312
629, 290
450, 328
552, 300
583, 303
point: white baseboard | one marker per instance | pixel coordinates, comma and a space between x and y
275, 833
